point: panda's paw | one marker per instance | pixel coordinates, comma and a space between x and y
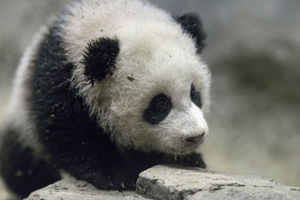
121, 185
127, 186
115, 183
191, 160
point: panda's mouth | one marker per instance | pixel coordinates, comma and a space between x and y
183, 148
180, 145
189, 144
179, 152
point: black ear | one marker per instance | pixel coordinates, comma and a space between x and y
192, 24
100, 57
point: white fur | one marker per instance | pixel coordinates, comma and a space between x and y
157, 54
19, 116
153, 50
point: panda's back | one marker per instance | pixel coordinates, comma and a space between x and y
18, 115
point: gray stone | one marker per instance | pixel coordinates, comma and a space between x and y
175, 183
172, 182
72, 189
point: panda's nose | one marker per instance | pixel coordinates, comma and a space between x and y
195, 139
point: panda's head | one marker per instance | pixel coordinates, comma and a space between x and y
140, 73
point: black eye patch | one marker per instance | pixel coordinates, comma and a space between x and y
159, 108
195, 96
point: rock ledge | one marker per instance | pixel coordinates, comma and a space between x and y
176, 183
171, 182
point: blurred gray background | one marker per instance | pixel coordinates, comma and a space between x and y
253, 50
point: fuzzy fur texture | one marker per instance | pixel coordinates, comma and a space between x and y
18, 116
89, 120
157, 54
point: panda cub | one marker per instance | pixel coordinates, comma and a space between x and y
107, 90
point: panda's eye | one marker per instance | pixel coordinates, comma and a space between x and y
159, 108
162, 105
195, 96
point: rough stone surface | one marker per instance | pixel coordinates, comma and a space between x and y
172, 182
72, 189
175, 183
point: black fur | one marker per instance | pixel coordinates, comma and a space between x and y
192, 24
159, 108
20, 169
71, 138
195, 96
100, 58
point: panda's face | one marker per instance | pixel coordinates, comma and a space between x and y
177, 121
140, 74
156, 102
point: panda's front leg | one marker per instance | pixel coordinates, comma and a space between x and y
100, 165
104, 175
111, 180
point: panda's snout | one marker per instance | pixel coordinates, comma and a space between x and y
194, 140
